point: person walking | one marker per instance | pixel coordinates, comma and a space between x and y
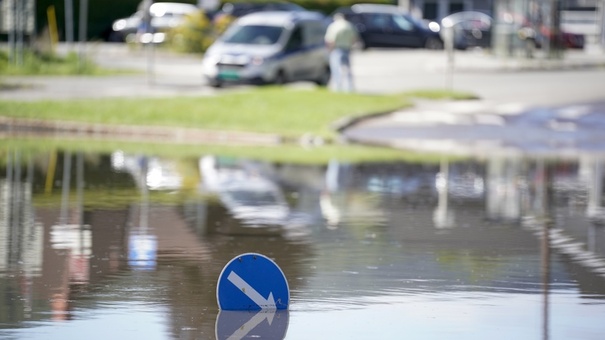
340, 38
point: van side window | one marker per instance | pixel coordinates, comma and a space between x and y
313, 33
296, 39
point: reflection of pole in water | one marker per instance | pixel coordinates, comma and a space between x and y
20, 236
144, 212
595, 191
80, 199
503, 189
14, 221
65, 187
544, 190
442, 217
540, 199
545, 279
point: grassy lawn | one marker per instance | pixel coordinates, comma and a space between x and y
288, 112
45, 64
285, 111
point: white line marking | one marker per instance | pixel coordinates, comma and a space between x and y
268, 303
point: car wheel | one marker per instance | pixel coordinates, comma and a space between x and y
215, 83
324, 78
115, 37
280, 78
433, 44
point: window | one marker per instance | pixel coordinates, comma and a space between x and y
253, 34
430, 10
313, 33
379, 21
296, 39
402, 23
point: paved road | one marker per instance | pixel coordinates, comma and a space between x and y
507, 87
533, 108
377, 71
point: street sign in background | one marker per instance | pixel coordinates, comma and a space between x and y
252, 282
17, 15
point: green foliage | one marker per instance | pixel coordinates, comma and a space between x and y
195, 35
285, 111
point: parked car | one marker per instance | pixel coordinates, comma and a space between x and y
470, 29
239, 9
474, 29
270, 47
164, 16
563, 39
390, 26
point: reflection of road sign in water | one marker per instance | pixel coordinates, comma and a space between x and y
264, 324
142, 251
252, 282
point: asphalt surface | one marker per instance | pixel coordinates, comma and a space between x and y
546, 107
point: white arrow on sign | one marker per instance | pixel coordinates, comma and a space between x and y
241, 332
268, 303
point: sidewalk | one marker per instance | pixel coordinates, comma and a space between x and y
167, 74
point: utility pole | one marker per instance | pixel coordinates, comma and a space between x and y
83, 30
405, 5
69, 23
555, 43
20, 28
602, 24
12, 30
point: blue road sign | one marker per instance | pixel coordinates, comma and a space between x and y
252, 282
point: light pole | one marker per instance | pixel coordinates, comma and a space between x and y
83, 30
69, 22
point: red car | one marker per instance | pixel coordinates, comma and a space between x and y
528, 27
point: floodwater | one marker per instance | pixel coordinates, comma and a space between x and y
117, 246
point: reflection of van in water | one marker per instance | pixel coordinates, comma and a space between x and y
270, 47
246, 190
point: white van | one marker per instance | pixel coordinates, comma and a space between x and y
164, 16
270, 47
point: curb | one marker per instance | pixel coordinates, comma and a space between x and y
18, 127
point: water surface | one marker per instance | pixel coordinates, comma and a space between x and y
117, 245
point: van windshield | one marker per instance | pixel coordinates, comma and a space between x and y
253, 34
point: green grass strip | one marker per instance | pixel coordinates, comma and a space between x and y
289, 112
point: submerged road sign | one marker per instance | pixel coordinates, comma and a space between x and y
252, 282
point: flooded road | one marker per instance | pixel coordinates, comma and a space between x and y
117, 245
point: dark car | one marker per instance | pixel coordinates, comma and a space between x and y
470, 29
474, 29
390, 26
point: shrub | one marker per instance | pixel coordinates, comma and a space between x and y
193, 36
